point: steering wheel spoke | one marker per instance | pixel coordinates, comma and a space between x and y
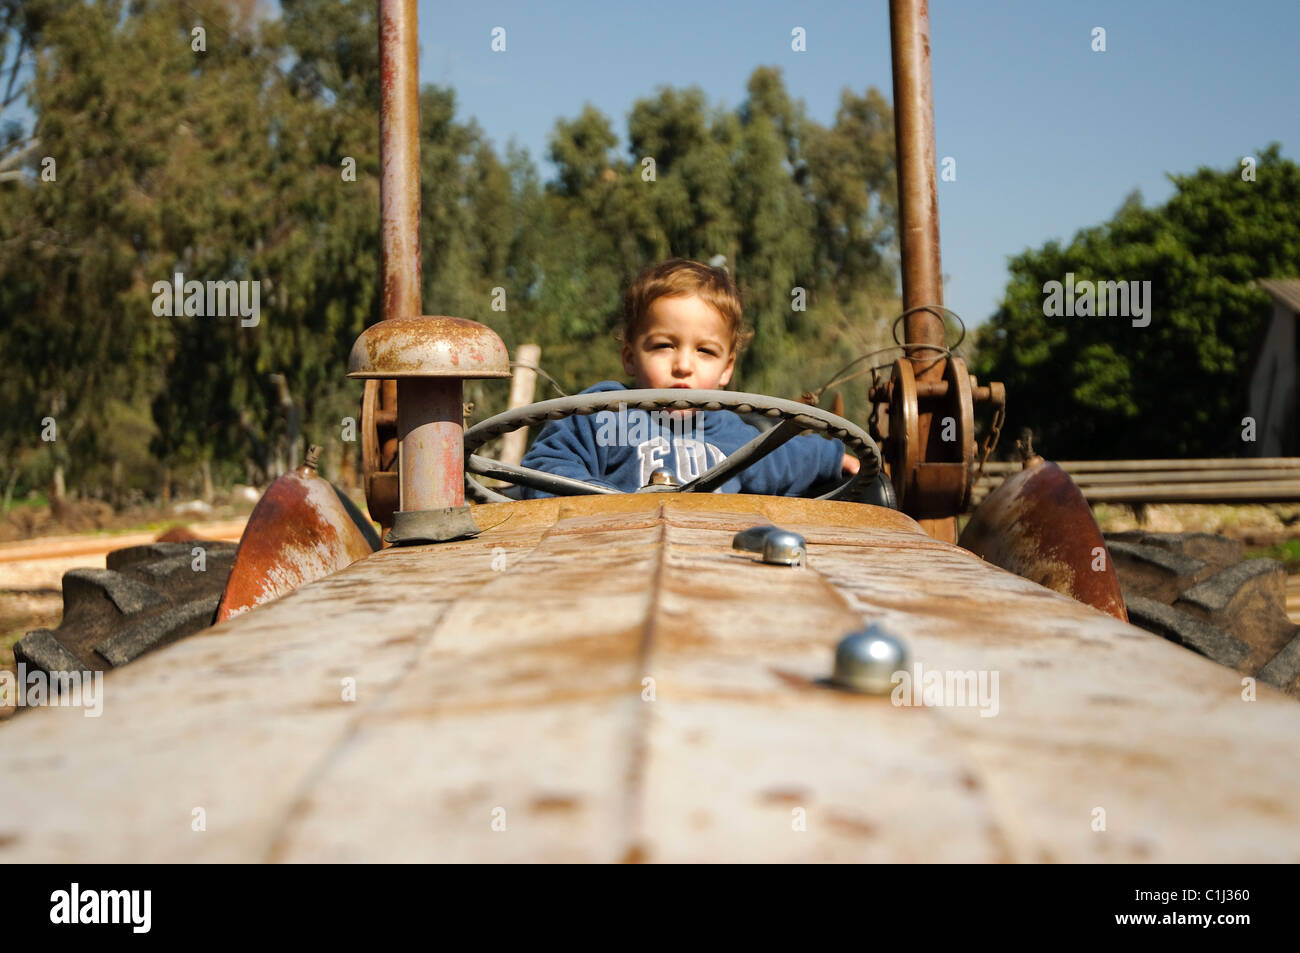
537, 479
751, 452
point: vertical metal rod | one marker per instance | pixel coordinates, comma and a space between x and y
918, 214
918, 201
399, 157
430, 423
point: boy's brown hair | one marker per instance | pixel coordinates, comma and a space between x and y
677, 277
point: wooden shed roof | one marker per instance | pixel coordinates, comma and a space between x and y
1286, 291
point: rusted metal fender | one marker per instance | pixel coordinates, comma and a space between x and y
1038, 525
301, 530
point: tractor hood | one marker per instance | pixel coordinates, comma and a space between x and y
606, 679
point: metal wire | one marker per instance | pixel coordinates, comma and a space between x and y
944, 351
933, 309
541, 373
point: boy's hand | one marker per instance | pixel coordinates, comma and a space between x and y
850, 464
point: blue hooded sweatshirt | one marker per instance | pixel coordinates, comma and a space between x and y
620, 449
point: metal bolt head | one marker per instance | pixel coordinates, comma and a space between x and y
661, 481
866, 660
773, 544
784, 548
663, 477
751, 540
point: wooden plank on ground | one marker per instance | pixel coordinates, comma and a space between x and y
1115, 466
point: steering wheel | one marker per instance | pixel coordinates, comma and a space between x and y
795, 418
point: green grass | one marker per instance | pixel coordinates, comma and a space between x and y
154, 526
35, 501
1287, 553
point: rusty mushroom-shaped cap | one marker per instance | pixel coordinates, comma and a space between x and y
428, 347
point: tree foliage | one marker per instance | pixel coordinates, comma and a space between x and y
227, 163
1102, 388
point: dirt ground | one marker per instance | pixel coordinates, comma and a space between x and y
1256, 525
25, 522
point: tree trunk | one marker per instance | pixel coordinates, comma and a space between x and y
347, 466
206, 469
522, 391
292, 426
9, 492
58, 495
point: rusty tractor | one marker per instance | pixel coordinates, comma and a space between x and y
670, 675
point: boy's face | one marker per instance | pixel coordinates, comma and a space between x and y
683, 342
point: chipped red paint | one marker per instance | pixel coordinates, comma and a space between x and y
1038, 525
298, 532
430, 426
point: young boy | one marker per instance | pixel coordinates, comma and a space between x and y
682, 328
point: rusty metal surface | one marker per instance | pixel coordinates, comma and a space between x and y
1038, 525
941, 493
961, 405
934, 480
428, 357
431, 434
399, 157
382, 492
930, 484
399, 223
428, 346
918, 215
918, 200
370, 439
299, 531
904, 433
502, 712
378, 452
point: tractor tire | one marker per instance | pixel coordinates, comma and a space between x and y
147, 597
1199, 591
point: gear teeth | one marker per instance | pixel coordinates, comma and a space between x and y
132, 555
92, 592
158, 630
40, 649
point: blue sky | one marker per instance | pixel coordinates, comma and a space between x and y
1049, 136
